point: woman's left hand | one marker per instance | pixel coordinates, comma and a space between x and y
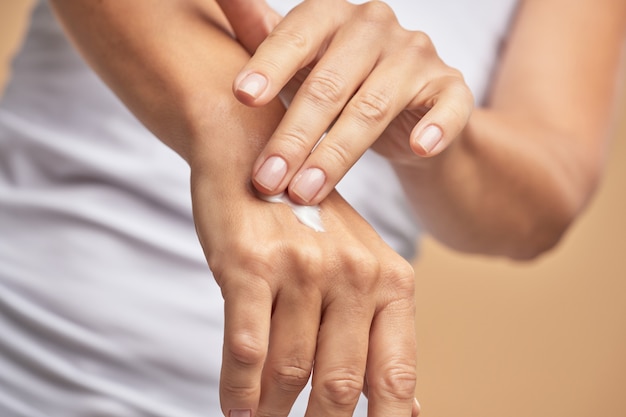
365, 80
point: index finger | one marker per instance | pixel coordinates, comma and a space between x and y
291, 46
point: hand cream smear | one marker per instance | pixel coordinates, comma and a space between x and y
307, 215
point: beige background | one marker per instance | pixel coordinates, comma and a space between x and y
545, 339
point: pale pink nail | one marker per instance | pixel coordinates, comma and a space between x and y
271, 172
253, 85
309, 183
236, 412
429, 138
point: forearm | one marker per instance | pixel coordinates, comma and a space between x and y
172, 63
502, 188
528, 162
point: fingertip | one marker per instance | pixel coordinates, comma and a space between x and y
250, 87
417, 408
307, 186
269, 176
238, 412
427, 140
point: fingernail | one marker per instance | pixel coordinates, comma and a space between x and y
309, 183
429, 138
236, 412
271, 172
253, 85
416, 407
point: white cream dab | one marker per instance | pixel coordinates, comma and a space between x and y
307, 215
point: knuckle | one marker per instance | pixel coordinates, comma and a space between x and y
293, 142
401, 270
255, 259
337, 154
288, 38
401, 277
293, 377
377, 12
245, 349
244, 269
361, 264
420, 44
371, 108
343, 388
360, 269
237, 392
309, 256
324, 87
456, 76
397, 381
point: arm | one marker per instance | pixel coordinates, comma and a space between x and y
527, 164
289, 291
521, 169
169, 64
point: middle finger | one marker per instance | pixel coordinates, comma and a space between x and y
340, 359
348, 60
293, 339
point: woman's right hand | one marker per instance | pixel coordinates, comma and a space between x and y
335, 303
365, 80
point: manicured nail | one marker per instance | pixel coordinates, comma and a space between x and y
253, 85
271, 172
236, 412
429, 138
309, 183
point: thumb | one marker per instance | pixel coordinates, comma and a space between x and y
252, 20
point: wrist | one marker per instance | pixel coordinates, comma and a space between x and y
226, 139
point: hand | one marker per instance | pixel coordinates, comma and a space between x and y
377, 84
336, 303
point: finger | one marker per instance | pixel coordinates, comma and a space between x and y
450, 109
340, 360
293, 44
415, 411
247, 311
377, 102
391, 364
251, 21
289, 362
397, 83
322, 96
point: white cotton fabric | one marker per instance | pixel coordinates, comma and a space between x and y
107, 307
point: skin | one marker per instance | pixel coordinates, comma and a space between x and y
339, 303
512, 178
514, 174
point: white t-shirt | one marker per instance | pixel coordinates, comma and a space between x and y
107, 307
